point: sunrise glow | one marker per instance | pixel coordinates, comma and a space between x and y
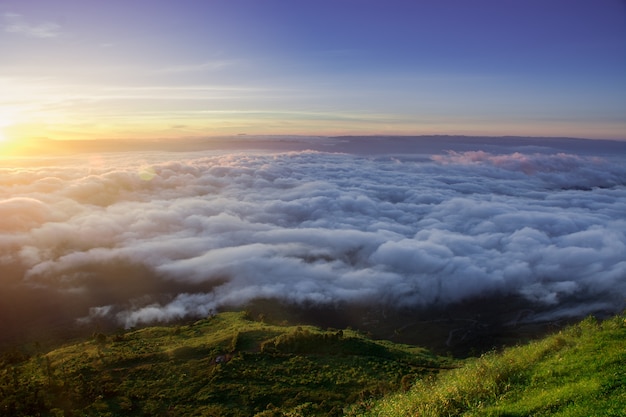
4, 138
278, 207
175, 70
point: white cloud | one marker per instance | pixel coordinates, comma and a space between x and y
213, 65
15, 23
210, 230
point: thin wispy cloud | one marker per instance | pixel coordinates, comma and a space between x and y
201, 67
325, 60
16, 24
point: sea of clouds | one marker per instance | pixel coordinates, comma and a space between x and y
158, 236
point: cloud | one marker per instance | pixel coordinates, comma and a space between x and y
208, 230
15, 23
201, 67
21, 213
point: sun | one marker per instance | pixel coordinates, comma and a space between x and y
4, 123
7, 143
7, 130
4, 138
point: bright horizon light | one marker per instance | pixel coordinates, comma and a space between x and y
4, 124
174, 70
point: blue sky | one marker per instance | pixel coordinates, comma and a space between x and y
169, 69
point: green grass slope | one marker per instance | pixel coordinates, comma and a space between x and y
579, 372
226, 365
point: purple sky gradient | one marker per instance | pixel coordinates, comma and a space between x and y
86, 69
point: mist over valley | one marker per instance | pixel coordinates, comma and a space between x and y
374, 232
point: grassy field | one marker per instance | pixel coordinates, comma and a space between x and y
226, 365
578, 372
233, 365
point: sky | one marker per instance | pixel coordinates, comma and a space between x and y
176, 69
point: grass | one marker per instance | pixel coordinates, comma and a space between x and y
579, 372
226, 365
231, 365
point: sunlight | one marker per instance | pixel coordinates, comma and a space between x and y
15, 137
8, 142
4, 138
4, 122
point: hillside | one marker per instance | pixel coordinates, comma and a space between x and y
225, 365
233, 365
578, 372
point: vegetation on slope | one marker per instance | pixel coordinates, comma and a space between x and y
579, 372
226, 365
230, 365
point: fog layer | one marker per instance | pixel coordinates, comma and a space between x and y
145, 237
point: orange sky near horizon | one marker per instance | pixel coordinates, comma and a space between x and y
174, 70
